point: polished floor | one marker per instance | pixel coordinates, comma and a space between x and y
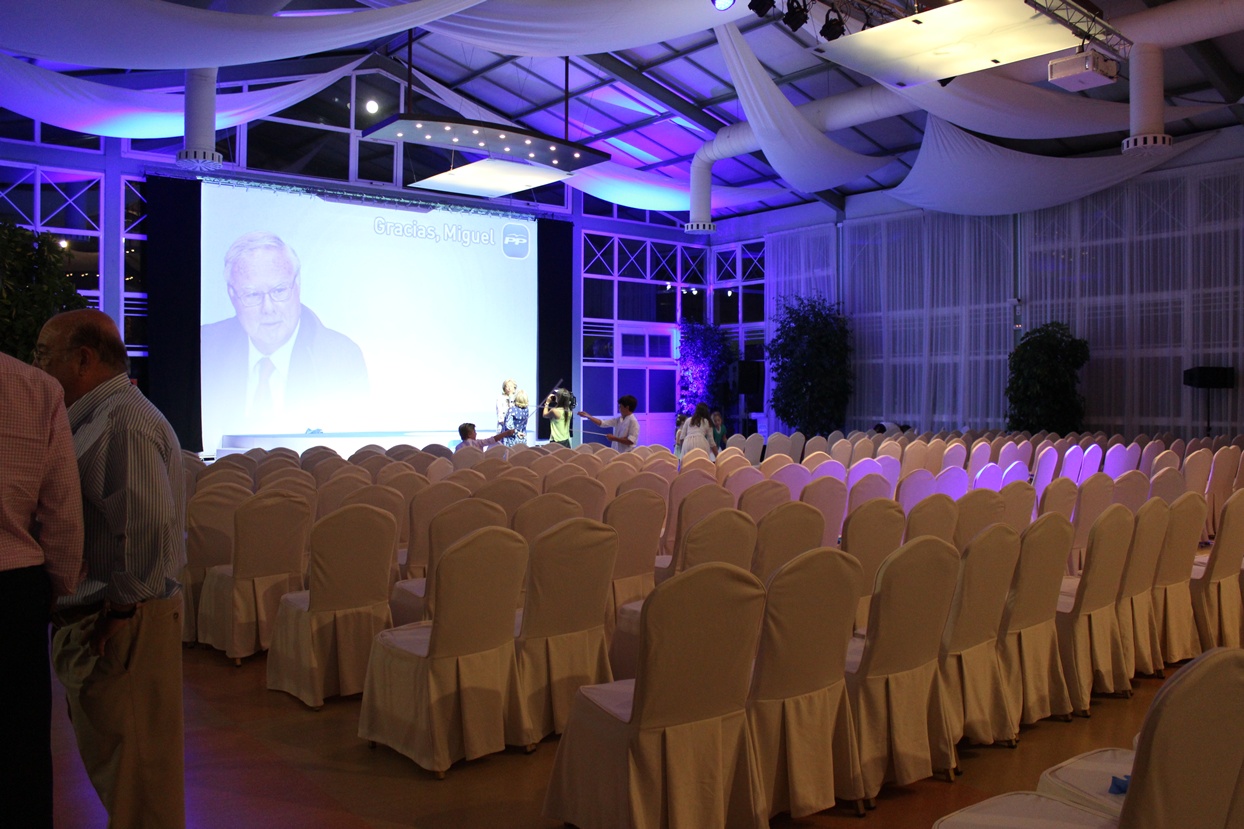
259, 758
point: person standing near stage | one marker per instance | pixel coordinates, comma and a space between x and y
698, 432
516, 420
116, 643
557, 407
504, 401
625, 426
40, 558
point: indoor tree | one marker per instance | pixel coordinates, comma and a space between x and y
1042, 389
810, 360
34, 286
705, 353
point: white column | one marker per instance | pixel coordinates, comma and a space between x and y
200, 148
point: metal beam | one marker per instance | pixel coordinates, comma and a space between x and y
1210, 62
624, 72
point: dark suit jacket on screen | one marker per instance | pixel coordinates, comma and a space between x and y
326, 373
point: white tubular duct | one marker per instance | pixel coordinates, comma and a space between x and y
1146, 94
201, 110
1165, 27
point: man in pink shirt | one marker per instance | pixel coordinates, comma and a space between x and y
40, 558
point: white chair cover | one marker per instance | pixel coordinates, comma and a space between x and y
1172, 592
1043, 472
1196, 468
448, 689
936, 515
862, 467
978, 458
830, 469
952, 481
788, 530
1138, 629
1216, 586
1094, 496
1017, 471
1115, 463
1219, 486
868, 488
870, 534
561, 641
424, 505
1090, 464
797, 443
915, 455
547, 511
841, 451
646, 480
1059, 497
829, 496
968, 668
588, 493
682, 486
759, 499
862, 449
933, 458
1088, 629
798, 711
735, 440
727, 465
1020, 500
507, 493
955, 456
892, 674
914, 488
816, 443
637, 518
1167, 484
794, 477
239, 603
322, 636
978, 509
1009, 453
1165, 460
332, 493
753, 446
613, 474
777, 444
740, 480
209, 543
671, 748
1028, 639
989, 477
1131, 489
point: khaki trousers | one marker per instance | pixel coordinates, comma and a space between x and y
126, 710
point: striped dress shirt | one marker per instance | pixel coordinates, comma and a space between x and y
133, 487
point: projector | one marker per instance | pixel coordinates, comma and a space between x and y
1083, 70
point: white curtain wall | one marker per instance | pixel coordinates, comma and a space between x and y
1149, 272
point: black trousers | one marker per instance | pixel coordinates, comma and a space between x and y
25, 699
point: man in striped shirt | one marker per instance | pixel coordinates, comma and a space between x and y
40, 558
116, 645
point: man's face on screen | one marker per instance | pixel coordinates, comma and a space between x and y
265, 295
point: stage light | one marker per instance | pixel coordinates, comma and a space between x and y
796, 14
834, 28
760, 7
722, 5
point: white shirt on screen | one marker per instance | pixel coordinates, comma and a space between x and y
280, 359
624, 427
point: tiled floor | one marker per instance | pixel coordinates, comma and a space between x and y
259, 758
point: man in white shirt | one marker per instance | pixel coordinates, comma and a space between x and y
625, 426
467, 432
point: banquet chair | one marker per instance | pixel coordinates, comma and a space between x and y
274, 465
830, 469
333, 492
814, 444
606, 453
934, 455
413, 600
892, 674
1094, 495
787, 531
862, 449
1059, 497
592, 464
1043, 470
1090, 464
794, 477
1028, 652
978, 509
1165, 460
936, 515
771, 464
424, 505
637, 517
322, 636
914, 488
777, 444
588, 492
680, 488
989, 477
468, 478
727, 465
374, 464
560, 640
1196, 469
209, 543
915, 454
970, 674
326, 467
753, 447
726, 535
698, 504
224, 474
870, 534
1185, 770
1167, 484
351, 471
284, 469
798, 711
646, 480
1017, 471
1131, 489
1138, 630
671, 748
507, 493
392, 501
739, 480
445, 690
440, 450
1009, 454
1088, 628
439, 469
1215, 582
522, 473
978, 459
841, 451
1020, 499
695, 454
1072, 461
543, 513
491, 466
700, 462
952, 481
759, 499
239, 601
611, 475
829, 496
868, 488
1172, 588
729, 452
1115, 462
736, 440
1220, 484
797, 443
955, 456
299, 486
666, 469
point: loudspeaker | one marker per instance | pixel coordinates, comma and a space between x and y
751, 377
1210, 377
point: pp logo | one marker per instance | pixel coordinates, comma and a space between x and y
515, 241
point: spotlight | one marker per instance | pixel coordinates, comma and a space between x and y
722, 5
796, 14
834, 28
760, 7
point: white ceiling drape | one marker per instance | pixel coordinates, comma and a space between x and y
152, 34
993, 104
86, 106
800, 153
956, 172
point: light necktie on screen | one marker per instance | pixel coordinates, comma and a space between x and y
261, 406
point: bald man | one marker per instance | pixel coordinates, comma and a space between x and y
116, 643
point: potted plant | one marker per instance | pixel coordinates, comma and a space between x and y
33, 287
705, 353
810, 361
1042, 389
